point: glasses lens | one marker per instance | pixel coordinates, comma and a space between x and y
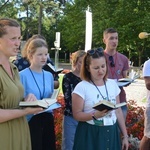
100, 49
91, 52
111, 59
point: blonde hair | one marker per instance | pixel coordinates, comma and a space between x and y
24, 50
76, 55
33, 45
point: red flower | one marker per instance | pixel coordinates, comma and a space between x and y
134, 121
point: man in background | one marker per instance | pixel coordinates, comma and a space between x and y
118, 64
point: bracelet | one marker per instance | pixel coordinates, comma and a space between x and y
125, 136
94, 118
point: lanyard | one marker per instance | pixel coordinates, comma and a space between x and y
100, 91
41, 94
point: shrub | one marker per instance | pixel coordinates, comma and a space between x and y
135, 124
58, 117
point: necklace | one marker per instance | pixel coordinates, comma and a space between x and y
41, 94
100, 91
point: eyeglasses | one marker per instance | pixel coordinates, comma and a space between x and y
111, 59
98, 50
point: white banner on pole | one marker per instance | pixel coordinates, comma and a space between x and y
57, 39
88, 34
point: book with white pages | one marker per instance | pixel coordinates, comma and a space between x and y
44, 103
104, 104
126, 81
51, 107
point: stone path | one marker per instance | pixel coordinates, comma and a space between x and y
137, 91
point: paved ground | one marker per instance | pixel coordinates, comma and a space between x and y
135, 91
65, 65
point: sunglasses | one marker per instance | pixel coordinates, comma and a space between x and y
111, 59
98, 50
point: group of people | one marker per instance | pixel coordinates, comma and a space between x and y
92, 79
28, 128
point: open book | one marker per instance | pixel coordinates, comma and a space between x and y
104, 104
126, 81
49, 67
44, 103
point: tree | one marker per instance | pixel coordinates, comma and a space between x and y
128, 17
7, 9
68, 17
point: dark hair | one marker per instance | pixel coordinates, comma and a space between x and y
85, 74
36, 36
109, 30
7, 22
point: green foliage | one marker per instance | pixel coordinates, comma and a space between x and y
7, 9
68, 17
128, 17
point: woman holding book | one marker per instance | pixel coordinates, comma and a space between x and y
14, 128
70, 80
97, 129
23, 62
40, 83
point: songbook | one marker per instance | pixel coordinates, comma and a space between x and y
44, 103
126, 81
49, 67
123, 82
104, 104
51, 107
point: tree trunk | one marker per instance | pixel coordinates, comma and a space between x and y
40, 19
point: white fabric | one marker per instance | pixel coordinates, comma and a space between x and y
146, 73
88, 35
91, 95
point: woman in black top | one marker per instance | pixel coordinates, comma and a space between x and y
70, 80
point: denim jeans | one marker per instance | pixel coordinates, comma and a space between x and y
68, 132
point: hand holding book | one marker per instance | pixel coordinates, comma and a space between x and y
99, 114
106, 105
44, 103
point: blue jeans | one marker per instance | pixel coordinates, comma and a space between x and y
68, 132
